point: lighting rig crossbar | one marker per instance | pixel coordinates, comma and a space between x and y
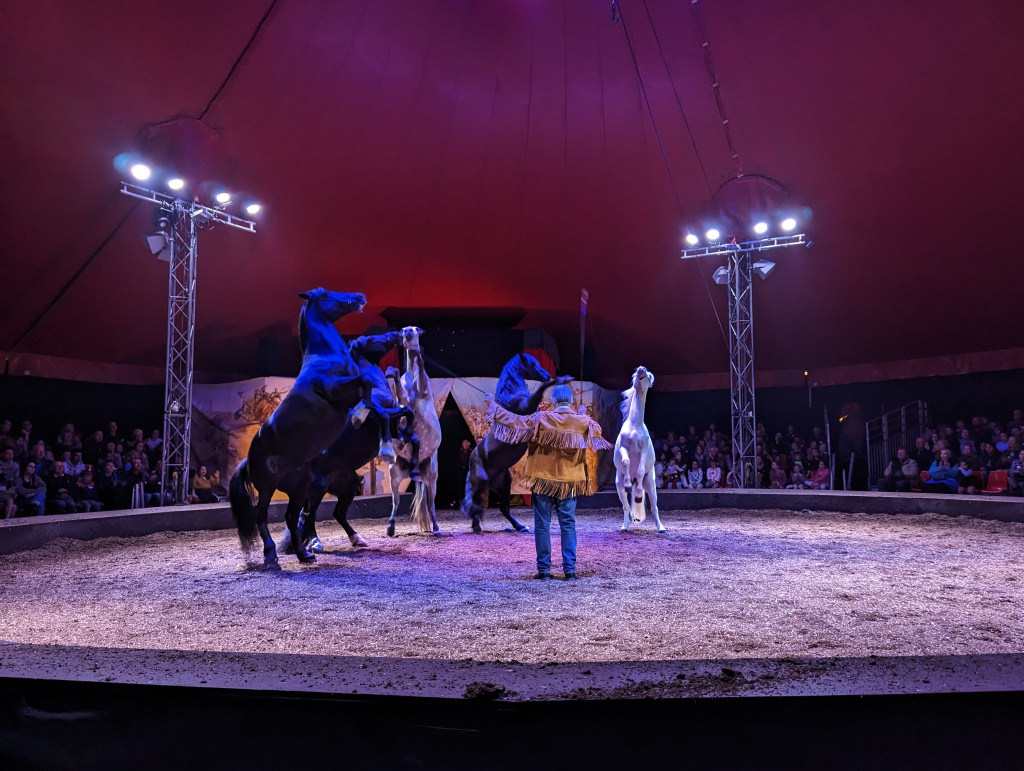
757, 245
738, 276
204, 215
183, 221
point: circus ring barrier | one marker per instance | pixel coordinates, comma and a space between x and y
154, 629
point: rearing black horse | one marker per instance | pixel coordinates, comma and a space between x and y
311, 416
334, 470
492, 458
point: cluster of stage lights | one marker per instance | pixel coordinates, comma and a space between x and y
143, 173
713, 235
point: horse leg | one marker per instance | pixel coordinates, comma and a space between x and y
397, 475
476, 484
625, 494
651, 488
291, 518
345, 497
504, 504
307, 519
270, 561
431, 483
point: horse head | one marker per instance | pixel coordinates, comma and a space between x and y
531, 369
373, 348
643, 378
333, 305
411, 338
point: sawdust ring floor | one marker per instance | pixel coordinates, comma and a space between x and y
720, 584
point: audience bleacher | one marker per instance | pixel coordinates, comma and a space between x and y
91, 471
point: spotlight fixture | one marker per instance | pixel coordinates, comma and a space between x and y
175, 183
712, 235
158, 244
761, 228
140, 171
788, 224
763, 268
691, 239
253, 208
223, 197
721, 276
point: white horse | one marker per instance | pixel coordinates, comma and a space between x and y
634, 455
413, 391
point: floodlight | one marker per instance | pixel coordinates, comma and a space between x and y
158, 244
175, 183
223, 197
691, 239
721, 276
761, 228
712, 235
253, 208
140, 171
788, 224
763, 268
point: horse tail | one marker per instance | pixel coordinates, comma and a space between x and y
241, 493
420, 510
475, 479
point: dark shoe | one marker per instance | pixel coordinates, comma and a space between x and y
543, 576
570, 576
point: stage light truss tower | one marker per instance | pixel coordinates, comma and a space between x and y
739, 273
186, 218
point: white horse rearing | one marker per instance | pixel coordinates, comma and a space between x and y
414, 392
634, 455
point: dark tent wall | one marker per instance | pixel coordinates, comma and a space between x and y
498, 152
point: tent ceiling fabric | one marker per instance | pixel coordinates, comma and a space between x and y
499, 153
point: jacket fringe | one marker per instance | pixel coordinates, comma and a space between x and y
557, 489
561, 440
600, 443
510, 435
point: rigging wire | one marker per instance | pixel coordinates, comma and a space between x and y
664, 157
709, 65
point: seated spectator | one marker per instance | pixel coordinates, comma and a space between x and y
111, 433
714, 474
1017, 421
988, 458
109, 488
135, 483
923, 452
821, 479
901, 475
5, 431
1003, 442
10, 469
943, 477
796, 479
659, 470
776, 477
1015, 476
76, 465
673, 476
203, 485
67, 441
30, 492
7, 486
966, 478
93, 448
58, 491
85, 494
152, 488
44, 465
695, 478
1011, 453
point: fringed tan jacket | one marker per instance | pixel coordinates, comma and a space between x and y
560, 441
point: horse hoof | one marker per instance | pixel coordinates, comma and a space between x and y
357, 540
522, 529
391, 531
316, 546
271, 565
662, 530
437, 530
306, 558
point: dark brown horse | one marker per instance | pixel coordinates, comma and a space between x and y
491, 460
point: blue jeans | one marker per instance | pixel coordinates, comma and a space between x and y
566, 511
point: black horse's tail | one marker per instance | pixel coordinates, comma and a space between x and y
476, 479
242, 506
